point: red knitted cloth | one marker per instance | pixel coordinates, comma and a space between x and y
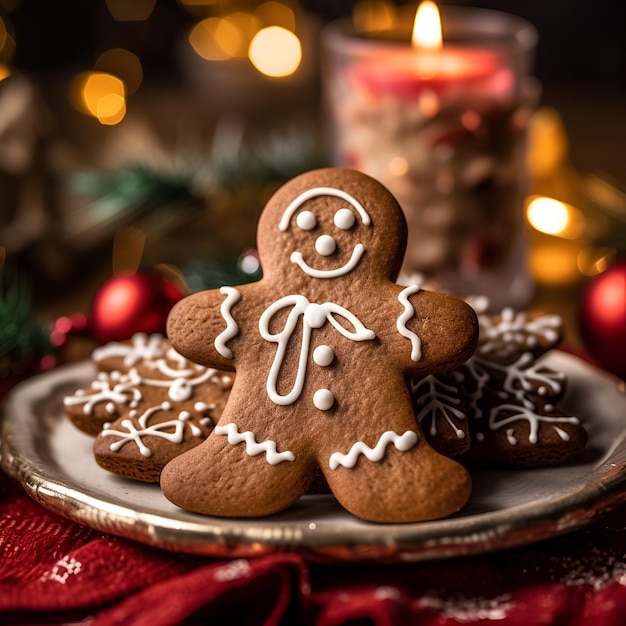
53, 570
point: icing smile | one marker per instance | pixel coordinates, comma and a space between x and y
357, 253
344, 219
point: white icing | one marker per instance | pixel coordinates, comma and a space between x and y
157, 430
252, 447
124, 393
141, 347
306, 220
401, 442
515, 413
437, 399
314, 316
179, 389
357, 253
203, 406
232, 297
409, 312
515, 329
510, 437
321, 191
323, 356
325, 245
344, 219
561, 433
323, 399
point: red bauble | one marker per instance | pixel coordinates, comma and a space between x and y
127, 304
603, 318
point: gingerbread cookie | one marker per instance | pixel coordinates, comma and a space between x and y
323, 346
511, 399
158, 406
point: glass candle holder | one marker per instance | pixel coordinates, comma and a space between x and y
445, 131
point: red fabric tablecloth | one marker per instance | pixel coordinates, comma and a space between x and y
53, 570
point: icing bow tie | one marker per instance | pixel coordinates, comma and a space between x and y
314, 316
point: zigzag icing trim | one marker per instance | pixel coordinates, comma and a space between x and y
252, 447
401, 442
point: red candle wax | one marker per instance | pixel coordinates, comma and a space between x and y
406, 72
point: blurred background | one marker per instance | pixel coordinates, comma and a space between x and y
148, 134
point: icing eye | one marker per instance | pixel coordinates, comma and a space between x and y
306, 220
325, 245
344, 219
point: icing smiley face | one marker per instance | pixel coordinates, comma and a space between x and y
326, 245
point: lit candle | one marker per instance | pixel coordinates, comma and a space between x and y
428, 66
439, 116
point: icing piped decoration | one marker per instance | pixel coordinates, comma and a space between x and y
252, 446
314, 316
357, 253
179, 389
157, 430
142, 347
515, 413
121, 393
409, 312
232, 297
401, 442
321, 191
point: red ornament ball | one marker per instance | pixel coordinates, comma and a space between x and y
603, 318
126, 304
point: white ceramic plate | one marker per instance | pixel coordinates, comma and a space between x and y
54, 463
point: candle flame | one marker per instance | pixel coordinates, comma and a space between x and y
427, 26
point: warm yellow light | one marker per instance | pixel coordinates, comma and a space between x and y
275, 51
594, 261
274, 13
100, 95
121, 63
247, 26
547, 143
547, 215
216, 39
427, 26
555, 263
369, 15
111, 109
5, 71
554, 217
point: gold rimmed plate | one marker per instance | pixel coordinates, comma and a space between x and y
54, 463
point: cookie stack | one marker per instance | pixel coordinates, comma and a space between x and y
146, 405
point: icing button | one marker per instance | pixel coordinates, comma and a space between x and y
323, 355
325, 245
323, 399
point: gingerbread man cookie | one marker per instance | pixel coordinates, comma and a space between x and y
323, 346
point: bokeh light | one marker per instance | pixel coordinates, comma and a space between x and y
554, 217
275, 51
124, 64
216, 39
100, 95
274, 13
554, 263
